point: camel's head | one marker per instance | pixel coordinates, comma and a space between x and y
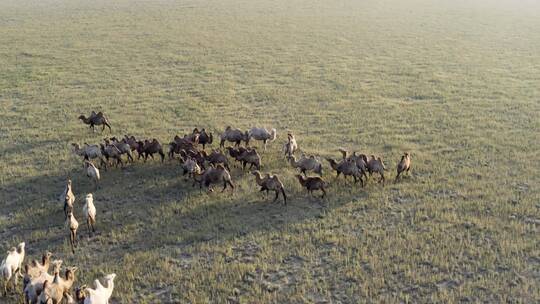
20, 247
195, 137
273, 134
45, 297
82, 117
70, 273
80, 293
110, 277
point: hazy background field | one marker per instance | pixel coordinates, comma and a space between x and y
455, 83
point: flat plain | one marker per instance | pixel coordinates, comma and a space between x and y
454, 83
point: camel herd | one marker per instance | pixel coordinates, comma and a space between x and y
203, 167
213, 167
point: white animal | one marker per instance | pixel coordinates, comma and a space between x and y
34, 288
92, 172
73, 225
262, 134
68, 192
89, 211
190, 167
11, 265
307, 164
101, 294
290, 146
87, 151
54, 291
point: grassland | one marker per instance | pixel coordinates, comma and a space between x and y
455, 83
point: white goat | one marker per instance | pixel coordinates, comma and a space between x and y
11, 265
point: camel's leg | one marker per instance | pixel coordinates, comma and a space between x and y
224, 186
102, 163
71, 241
162, 155
231, 185
5, 287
